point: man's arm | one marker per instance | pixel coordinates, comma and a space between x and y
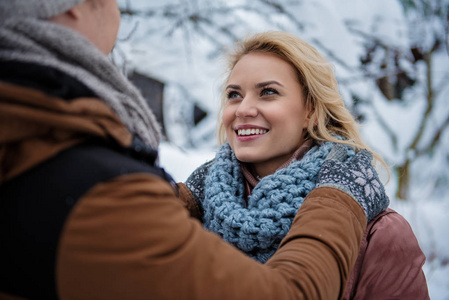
131, 238
189, 201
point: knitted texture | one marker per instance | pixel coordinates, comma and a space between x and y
195, 182
258, 228
358, 178
48, 44
41, 9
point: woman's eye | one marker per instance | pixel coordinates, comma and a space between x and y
233, 95
268, 92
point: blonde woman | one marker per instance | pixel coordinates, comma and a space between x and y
281, 114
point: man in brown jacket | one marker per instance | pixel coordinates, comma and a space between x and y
84, 211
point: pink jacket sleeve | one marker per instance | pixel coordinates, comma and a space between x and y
389, 265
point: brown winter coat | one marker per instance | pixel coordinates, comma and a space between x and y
131, 238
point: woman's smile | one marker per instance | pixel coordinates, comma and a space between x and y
249, 132
265, 104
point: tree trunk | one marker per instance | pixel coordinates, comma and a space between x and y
403, 173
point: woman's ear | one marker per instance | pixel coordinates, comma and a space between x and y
310, 117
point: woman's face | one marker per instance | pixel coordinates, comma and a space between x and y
265, 116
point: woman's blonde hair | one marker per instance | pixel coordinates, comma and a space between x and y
329, 116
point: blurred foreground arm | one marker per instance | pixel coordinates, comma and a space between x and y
141, 242
131, 238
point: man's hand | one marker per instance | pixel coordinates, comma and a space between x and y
357, 177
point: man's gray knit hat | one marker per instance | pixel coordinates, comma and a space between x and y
39, 9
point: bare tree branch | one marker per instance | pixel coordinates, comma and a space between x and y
280, 8
436, 138
387, 129
429, 106
442, 85
332, 55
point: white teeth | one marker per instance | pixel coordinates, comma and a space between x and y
251, 131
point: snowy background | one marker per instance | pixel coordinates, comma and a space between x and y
391, 59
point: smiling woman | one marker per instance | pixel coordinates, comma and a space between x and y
264, 95
281, 114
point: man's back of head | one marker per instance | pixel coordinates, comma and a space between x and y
40, 9
96, 20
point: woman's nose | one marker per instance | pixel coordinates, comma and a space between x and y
247, 108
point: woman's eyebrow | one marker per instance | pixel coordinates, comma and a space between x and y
263, 84
234, 87
258, 85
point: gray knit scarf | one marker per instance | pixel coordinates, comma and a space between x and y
52, 45
258, 227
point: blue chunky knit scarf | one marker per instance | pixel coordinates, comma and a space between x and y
258, 228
